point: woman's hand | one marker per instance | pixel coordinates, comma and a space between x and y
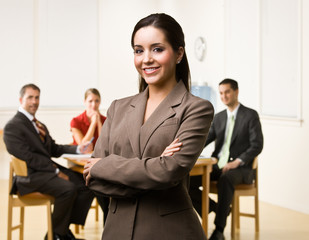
87, 169
95, 117
175, 146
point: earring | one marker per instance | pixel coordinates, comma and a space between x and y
178, 61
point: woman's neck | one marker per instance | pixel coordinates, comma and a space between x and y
158, 93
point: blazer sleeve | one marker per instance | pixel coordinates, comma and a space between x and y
17, 145
157, 172
21, 143
212, 135
255, 140
56, 150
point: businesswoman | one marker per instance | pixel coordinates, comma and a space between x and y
151, 141
88, 125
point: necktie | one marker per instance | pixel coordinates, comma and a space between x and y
226, 146
41, 129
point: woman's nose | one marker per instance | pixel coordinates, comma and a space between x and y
147, 57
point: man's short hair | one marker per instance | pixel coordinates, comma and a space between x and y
232, 82
30, 85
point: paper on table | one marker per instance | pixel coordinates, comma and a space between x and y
76, 156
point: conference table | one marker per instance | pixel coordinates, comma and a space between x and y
202, 167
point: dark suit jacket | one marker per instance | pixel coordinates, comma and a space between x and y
23, 142
247, 137
150, 193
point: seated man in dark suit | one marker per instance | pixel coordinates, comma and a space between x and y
238, 140
29, 140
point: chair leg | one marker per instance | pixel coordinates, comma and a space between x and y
96, 210
257, 214
237, 225
22, 217
234, 215
49, 222
76, 228
10, 213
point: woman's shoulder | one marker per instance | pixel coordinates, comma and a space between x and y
79, 118
195, 100
127, 100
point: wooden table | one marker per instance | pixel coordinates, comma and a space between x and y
203, 167
76, 165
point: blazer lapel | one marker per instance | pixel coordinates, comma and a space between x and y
163, 111
222, 129
134, 120
237, 125
29, 125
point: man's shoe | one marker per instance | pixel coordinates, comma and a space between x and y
70, 236
217, 235
55, 237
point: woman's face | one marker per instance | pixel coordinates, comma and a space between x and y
154, 57
92, 102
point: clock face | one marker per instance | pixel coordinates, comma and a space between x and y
200, 48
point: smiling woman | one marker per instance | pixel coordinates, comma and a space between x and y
150, 142
155, 60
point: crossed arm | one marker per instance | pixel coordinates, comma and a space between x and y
175, 146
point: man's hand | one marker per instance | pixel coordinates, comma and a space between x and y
63, 176
88, 167
86, 147
175, 146
231, 165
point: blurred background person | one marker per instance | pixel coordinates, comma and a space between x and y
29, 139
88, 125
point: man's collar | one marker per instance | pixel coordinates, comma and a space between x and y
23, 111
234, 112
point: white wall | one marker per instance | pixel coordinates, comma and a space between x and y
69, 45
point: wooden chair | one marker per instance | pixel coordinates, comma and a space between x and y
19, 168
243, 190
95, 206
79, 167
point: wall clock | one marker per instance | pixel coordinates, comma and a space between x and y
200, 48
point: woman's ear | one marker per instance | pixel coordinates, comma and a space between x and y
180, 53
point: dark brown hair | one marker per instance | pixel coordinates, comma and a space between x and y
174, 35
232, 82
30, 85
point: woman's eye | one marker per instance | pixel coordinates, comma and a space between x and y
158, 49
138, 51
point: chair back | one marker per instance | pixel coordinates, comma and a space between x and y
255, 166
255, 163
19, 167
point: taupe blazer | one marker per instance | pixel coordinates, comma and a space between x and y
149, 193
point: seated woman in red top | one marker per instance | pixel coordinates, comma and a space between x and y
89, 123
